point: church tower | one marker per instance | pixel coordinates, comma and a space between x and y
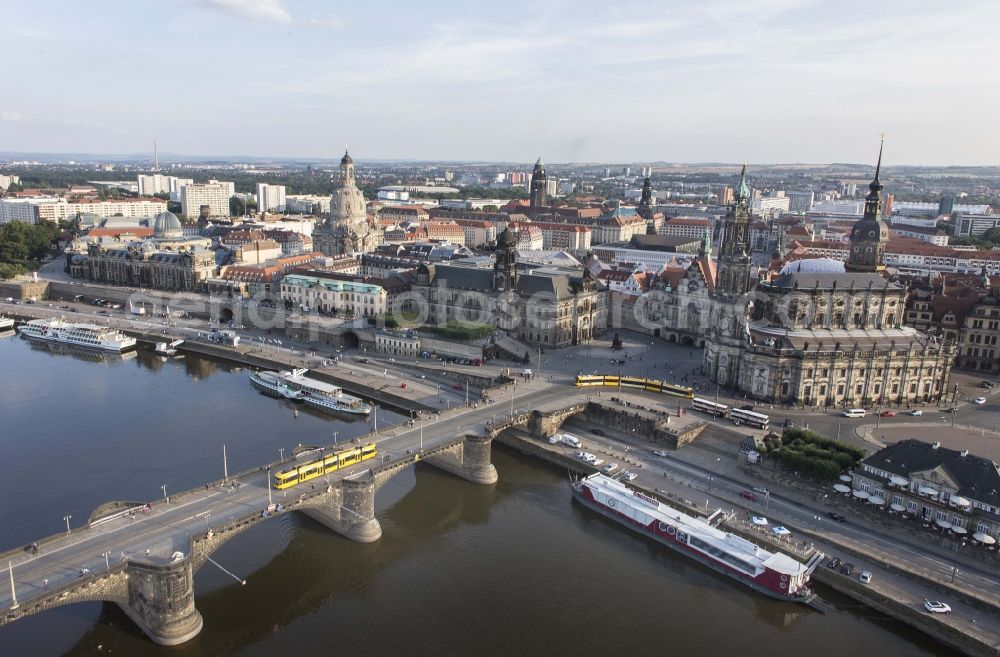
734, 252
645, 209
539, 184
505, 264
870, 233
346, 230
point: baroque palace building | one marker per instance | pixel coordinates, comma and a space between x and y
544, 306
819, 333
348, 228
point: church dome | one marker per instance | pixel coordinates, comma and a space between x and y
167, 225
506, 238
346, 159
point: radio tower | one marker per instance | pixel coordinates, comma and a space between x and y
156, 157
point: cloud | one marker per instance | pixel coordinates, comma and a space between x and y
327, 22
9, 116
268, 10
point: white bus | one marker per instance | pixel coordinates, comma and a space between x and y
710, 407
757, 420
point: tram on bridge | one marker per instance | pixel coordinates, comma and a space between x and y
323, 465
650, 385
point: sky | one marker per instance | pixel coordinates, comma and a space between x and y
766, 81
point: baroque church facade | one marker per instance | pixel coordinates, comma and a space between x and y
543, 306
817, 337
348, 229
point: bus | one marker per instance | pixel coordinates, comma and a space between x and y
710, 407
756, 420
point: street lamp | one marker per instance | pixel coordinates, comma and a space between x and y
67, 519
165, 500
335, 434
709, 483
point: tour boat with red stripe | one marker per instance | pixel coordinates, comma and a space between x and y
771, 573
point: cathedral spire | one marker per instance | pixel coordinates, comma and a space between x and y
743, 190
870, 233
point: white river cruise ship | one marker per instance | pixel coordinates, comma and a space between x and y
92, 336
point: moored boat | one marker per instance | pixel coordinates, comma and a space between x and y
771, 573
273, 383
6, 323
91, 336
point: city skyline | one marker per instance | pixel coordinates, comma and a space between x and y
780, 81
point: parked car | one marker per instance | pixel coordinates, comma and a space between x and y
833, 563
888, 413
659, 452
936, 607
986, 384
865, 577
836, 517
596, 462
847, 569
609, 468
916, 412
629, 476
979, 400
747, 495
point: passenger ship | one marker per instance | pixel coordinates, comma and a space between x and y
770, 573
273, 383
91, 336
324, 396
6, 323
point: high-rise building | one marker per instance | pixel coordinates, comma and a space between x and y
160, 184
726, 196
270, 198
946, 205
214, 195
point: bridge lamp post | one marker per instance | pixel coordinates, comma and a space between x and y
67, 518
164, 488
13, 594
335, 433
281, 454
107, 560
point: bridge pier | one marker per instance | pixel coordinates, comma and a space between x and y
349, 510
471, 460
161, 601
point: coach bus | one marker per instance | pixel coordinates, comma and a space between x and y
710, 407
756, 420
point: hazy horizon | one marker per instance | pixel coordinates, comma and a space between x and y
717, 81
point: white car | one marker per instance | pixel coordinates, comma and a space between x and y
865, 578
916, 412
936, 607
659, 452
609, 468
629, 476
596, 462
979, 400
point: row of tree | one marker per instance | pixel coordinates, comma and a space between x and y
23, 246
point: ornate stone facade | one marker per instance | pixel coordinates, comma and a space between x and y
348, 228
542, 306
828, 338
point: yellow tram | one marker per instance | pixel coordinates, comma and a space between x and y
651, 385
323, 465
